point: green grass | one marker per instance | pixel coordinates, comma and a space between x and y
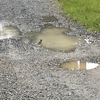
86, 12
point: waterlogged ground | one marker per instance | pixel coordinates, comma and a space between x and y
30, 72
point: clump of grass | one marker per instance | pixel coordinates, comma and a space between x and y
86, 12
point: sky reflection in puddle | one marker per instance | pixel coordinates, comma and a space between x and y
79, 65
8, 32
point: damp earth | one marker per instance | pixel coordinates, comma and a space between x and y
55, 39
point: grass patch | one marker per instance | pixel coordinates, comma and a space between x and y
86, 12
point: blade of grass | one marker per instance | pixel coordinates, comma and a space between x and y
86, 12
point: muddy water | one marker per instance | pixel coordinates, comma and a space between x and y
49, 18
79, 65
8, 32
55, 39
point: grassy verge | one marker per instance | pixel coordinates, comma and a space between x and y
86, 12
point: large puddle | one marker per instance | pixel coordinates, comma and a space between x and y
55, 39
8, 32
78, 65
51, 38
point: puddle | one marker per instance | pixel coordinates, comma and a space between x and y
79, 65
8, 32
55, 39
49, 18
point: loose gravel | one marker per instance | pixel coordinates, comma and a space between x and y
32, 72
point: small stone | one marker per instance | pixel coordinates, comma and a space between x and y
69, 93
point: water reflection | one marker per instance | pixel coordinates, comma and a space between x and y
79, 65
1, 28
8, 32
55, 39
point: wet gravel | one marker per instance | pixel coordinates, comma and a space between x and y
32, 72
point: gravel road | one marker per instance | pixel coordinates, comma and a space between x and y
32, 72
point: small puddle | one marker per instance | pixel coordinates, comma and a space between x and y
8, 32
55, 39
49, 18
78, 65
